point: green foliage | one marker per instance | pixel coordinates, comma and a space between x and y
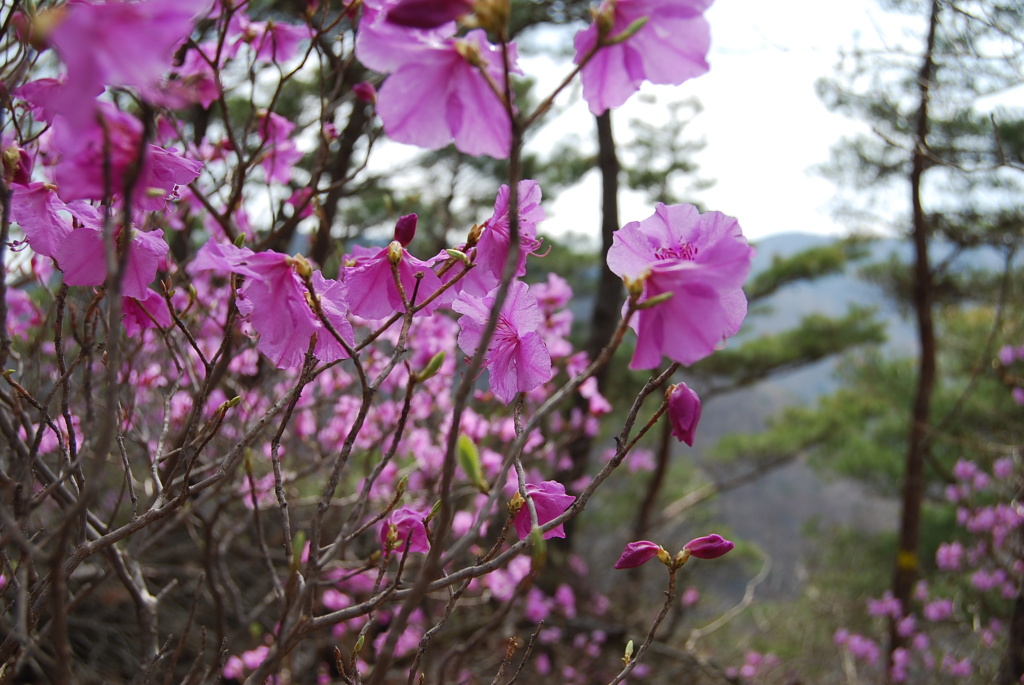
815, 338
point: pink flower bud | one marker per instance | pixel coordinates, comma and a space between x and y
683, 412
365, 91
405, 229
637, 554
427, 14
709, 547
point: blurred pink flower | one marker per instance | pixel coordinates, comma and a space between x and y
146, 312
669, 49
118, 44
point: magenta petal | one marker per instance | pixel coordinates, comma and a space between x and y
550, 501
409, 525
709, 547
637, 554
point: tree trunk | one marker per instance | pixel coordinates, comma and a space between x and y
906, 566
608, 296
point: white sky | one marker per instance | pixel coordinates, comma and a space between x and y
763, 122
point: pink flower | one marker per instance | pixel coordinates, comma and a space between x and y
709, 547
550, 501
495, 238
273, 298
404, 524
886, 606
938, 610
637, 554
118, 44
683, 412
438, 96
517, 359
669, 49
702, 260
949, 556
279, 153
81, 257
371, 283
148, 312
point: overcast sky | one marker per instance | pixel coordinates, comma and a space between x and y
764, 125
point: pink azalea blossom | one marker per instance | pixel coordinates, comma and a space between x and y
683, 412
637, 554
118, 44
702, 260
273, 298
669, 49
436, 94
371, 283
517, 359
404, 524
81, 256
147, 312
279, 152
495, 238
709, 547
550, 500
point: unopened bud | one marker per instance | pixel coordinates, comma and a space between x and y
432, 367
458, 255
604, 18
470, 52
474, 236
240, 240
302, 266
627, 657
515, 504
405, 229
634, 286
395, 252
492, 16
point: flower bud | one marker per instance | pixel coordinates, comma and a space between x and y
405, 229
427, 14
638, 553
365, 91
395, 252
683, 412
709, 547
302, 266
432, 367
515, 504
492, 16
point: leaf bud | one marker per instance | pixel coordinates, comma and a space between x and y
395, 252
431, 369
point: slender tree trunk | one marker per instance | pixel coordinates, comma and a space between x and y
906, 566
608, 297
